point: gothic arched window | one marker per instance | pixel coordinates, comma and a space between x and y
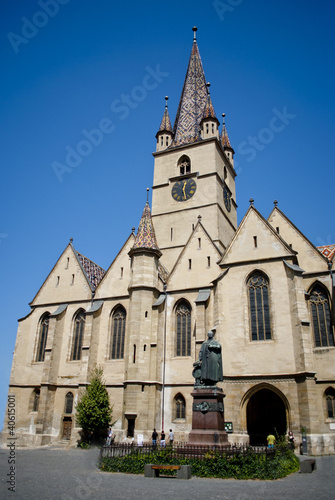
320, 311
258, 291
68, 403
330, 400
118, 333
78, 334
179, 407
184, 165
42, 337
183, 329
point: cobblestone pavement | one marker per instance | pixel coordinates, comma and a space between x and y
72, 474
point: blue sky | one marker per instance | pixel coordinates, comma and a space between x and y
67, 67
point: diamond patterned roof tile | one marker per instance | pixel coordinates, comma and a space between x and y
146, 237
192, 102
328, 251
209, 109
165, 125
224, 138
93, 272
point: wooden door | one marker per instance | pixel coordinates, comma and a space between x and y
67, 427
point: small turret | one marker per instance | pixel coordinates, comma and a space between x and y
209, 123
226, 142
164, 135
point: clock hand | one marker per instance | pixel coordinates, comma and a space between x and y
184, 190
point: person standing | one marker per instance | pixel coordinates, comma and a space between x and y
171, 437
291, 440
271, 440
109, 437
163, 438
154, 437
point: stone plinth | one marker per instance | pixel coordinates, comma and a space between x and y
208, 417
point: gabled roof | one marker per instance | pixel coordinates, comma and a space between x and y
254, 225
111, 284
210, 245
93, 272
146, 238
192, 102
276, 212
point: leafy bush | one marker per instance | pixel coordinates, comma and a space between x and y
239, 466
93, 412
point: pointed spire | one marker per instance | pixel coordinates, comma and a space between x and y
224, 135
192, 102
165, 125
209, 108
146, 238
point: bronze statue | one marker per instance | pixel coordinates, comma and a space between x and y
207, 370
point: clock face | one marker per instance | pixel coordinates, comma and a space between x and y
183, 190
227, 198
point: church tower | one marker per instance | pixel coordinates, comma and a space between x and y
194, 173
140, 399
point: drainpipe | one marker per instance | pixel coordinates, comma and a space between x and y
164, 356
332, 292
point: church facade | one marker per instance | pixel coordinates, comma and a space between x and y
264, 287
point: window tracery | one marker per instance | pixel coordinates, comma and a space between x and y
259, 308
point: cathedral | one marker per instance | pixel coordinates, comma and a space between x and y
262, 285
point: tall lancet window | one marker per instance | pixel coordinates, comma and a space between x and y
68, 403
78, 334
183, 329
179, 407
258, 290
330, 402
118, 333
320, 311
42, 337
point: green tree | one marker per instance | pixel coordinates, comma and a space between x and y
93, 411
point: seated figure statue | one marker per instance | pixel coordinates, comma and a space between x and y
207, 370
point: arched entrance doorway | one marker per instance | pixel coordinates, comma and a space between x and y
266, 414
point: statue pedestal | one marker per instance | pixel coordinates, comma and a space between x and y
208, 417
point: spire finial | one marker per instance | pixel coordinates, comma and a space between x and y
275, 203
251, 201
195, 29
148, 195
133, 229
208, 85
166, 101
71, 240
223, 118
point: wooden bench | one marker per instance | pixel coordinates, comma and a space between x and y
152, 470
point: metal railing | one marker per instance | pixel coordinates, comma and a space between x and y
183, 450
